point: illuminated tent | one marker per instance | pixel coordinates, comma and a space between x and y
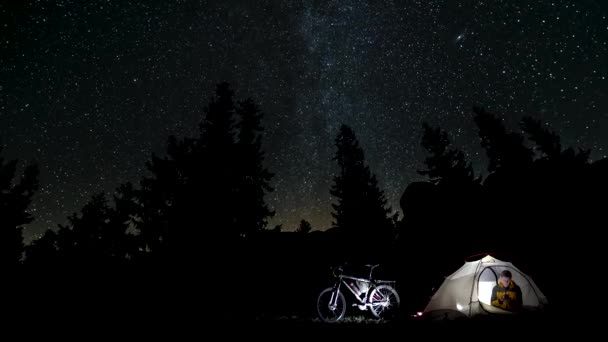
467, 292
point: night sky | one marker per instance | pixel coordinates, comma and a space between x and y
90, 89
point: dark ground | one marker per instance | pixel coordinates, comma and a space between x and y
199, 323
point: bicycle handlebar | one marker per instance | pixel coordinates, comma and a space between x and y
339, 270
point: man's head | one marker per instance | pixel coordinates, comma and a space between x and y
505, 278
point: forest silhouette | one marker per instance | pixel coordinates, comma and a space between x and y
194, 232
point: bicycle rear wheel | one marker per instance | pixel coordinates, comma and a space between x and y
330, 308
384, 301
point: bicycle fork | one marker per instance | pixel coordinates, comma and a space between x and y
333, 302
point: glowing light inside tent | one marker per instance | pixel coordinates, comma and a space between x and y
485, 291
458, 306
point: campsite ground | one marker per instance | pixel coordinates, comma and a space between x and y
177, 326
494, 328
487, 329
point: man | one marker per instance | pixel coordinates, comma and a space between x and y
506, 294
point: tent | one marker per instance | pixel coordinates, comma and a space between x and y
467, 292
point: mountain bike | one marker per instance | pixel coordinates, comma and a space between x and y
379, 296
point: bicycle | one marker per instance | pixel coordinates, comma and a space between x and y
379, 296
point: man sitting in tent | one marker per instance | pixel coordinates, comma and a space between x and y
506, 294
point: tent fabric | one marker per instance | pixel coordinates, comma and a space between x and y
467, 292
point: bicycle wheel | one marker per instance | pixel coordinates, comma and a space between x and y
384, 301
331, 309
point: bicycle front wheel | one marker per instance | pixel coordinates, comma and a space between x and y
384, 301
331, 305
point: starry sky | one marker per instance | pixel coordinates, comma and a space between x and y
90, 89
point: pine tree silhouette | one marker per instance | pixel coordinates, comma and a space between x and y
15, 198
253, 179
510, 164
445, 205
124, 244
44, 251
97, 236
361, 210
445, 166
208, 189
558, 176
156, 200
304, 227
547, 142
505, 150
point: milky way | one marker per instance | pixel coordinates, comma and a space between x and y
89, 91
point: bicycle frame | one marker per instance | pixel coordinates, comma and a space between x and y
343, 280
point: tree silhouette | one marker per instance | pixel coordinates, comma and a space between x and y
549, 146
15, 198
444, 166
547, 142
304, 227
43, 251
510, 163
505, 150
558, 175
124, 245
361, 209
207, 189
96, 237
155, 201
187, 198
446, 205
253, 179
218, 144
